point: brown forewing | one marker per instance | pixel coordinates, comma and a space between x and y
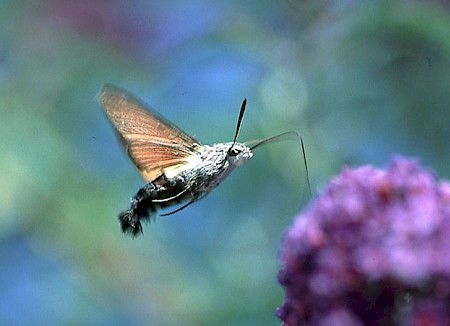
151, 142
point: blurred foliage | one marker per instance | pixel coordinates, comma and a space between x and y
360, 80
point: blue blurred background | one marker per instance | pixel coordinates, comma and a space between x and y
360, 80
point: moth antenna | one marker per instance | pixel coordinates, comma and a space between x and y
238, 126
290, 135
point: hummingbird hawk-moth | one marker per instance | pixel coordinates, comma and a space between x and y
177, 167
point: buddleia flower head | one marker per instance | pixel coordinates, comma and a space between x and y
372, 249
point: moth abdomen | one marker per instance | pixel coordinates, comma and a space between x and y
156, 195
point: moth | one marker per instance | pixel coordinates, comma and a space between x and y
177, 167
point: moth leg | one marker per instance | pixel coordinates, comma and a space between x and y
172, 197
179, 209
169, 189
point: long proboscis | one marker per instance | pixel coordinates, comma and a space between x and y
290, 135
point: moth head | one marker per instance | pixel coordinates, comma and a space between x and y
238, 154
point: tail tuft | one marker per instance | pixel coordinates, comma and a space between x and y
130, 223
141, 209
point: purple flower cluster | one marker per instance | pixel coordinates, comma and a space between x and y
373, 249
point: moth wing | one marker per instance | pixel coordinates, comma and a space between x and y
152, 143
152, 159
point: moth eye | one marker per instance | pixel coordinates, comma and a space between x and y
233, 151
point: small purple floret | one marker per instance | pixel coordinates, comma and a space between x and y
373, 249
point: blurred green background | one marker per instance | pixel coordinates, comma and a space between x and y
360, 80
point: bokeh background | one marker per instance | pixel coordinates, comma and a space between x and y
360, 80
